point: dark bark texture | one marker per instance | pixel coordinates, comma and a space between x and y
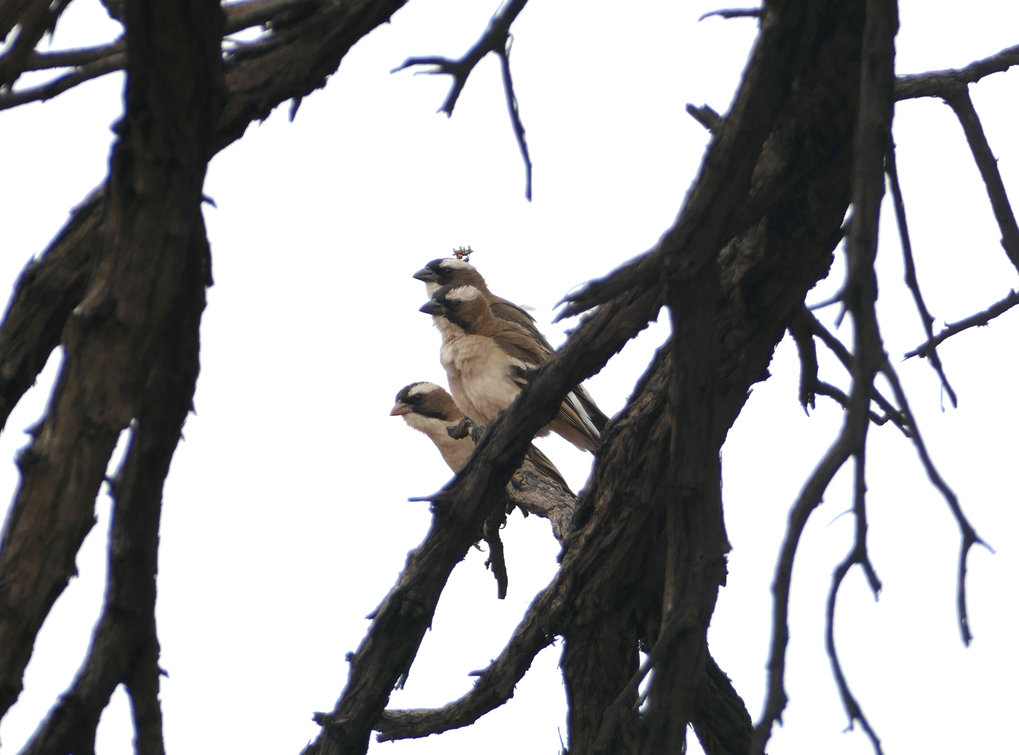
122, 289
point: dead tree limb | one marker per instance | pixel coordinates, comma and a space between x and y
979, 319
153, 257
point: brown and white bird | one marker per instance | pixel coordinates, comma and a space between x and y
488, 359
429, 409
453, 271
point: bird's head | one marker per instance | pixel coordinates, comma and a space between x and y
465, 306
449, 271
426, 400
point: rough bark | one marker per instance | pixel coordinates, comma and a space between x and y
148, 281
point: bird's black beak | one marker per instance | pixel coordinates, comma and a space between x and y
432, 307
426, 275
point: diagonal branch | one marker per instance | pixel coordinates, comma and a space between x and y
961, 103
910, 265
979, 319
969, 535
494, 685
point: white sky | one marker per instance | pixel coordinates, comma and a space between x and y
286, 517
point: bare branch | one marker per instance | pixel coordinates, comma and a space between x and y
944, 83
93, 62
494, 685
910, 265
114, 61
734, 13
33, 19
969, 535
872, 139
155, 252
514, 111
496, 553
961, 103
805, 322
979, 319
496, 39
857, 555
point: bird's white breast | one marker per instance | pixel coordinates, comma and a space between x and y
480, 376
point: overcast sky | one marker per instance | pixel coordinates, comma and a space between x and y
286, 517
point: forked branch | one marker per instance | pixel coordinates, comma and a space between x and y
496, 39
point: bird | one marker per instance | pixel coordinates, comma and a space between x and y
428, 408
488, 359
447, 271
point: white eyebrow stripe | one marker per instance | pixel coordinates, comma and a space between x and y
422, 388
462, 293
454, 264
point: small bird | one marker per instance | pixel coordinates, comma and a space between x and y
429, 409
454, 271
487, 361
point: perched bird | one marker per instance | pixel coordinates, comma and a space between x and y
452, 271
487, 361
430, 409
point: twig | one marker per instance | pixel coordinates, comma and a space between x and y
514, 111
980, 318
734, 13
843, 355
496, 553
911, 279
496, 39
858, 555
969, 535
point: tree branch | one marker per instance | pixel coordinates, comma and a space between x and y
944, 83
969, 535
911, 280
496, 39
961, 103
872, 139
980, 318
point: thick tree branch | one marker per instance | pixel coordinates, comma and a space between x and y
153, 250
52, 285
